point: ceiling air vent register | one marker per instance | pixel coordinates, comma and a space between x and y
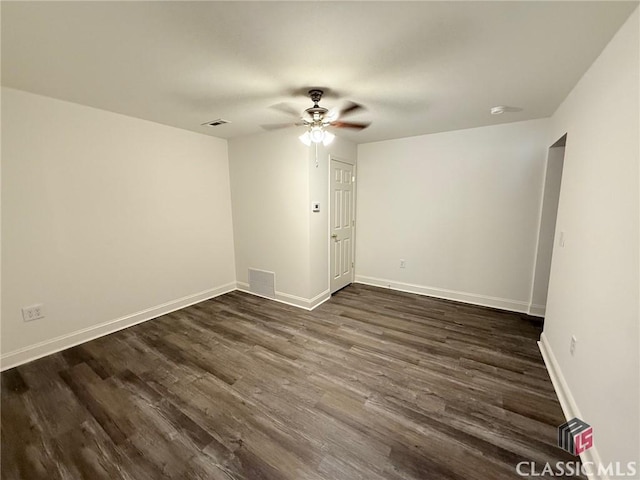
215, 123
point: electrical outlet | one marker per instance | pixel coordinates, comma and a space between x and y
572, 346
403, 263
33, 312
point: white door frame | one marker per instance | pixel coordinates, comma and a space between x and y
353, 216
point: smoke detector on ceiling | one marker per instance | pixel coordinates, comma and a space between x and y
500, 109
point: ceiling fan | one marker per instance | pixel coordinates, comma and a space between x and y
318, 118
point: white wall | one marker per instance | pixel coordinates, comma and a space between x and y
105, 218
274, 180
553, 179
460, 207
594, 285
270, 192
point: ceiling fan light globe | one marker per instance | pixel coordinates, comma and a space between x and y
305, 138
316, 134
328, 138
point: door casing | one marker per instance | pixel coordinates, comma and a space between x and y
330, 260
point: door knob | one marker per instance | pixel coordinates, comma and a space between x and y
335, 235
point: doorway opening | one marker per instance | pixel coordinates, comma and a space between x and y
547, 233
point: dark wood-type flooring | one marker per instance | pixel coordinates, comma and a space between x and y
372, 385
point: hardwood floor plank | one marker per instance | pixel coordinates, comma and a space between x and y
107, 405
13, 383
373, 384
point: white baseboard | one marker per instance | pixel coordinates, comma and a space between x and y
567, 402
47, 347
319, 299
537, 310
287, 298
475, 299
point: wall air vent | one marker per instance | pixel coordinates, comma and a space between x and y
262, 282
215, 123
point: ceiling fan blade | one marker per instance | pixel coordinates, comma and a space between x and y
278, 126
350, 109
354, 125
286, 108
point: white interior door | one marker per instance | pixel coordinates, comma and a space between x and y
342, 224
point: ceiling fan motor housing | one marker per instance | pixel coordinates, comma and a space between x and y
318, 118
316, 113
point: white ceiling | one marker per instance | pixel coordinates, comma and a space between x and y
419, 67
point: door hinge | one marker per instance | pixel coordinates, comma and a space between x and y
352, 264
353, 223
